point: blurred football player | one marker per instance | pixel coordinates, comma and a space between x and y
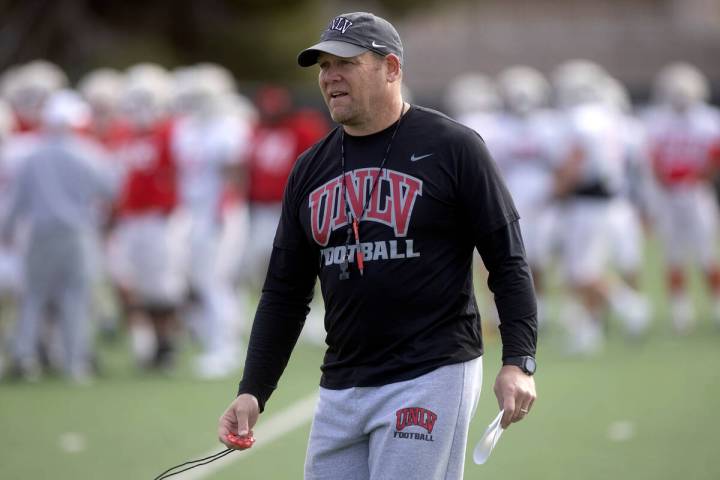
142, 258
683, 129
57, 193
626, 229
528, 147
209, 146
588, 182
101, 88
282, 134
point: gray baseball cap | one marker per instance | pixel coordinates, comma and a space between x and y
352, 34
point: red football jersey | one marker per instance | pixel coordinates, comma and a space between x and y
274, 149
150, 178
681, 160
683, 145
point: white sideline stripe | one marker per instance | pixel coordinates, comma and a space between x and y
268, 430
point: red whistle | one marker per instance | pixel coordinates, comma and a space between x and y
360, 256
240, 442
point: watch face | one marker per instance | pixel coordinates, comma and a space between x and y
530, 365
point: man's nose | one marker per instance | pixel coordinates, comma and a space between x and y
331, 74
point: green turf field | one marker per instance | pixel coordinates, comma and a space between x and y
648, 410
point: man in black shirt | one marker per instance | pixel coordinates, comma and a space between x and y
387, 210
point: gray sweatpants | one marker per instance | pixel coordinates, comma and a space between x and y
416, 429
57, 272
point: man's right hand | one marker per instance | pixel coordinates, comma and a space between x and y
239, 418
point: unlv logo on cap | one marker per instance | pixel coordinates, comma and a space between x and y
392, 202
341, 24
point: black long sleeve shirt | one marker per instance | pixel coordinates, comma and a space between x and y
437, 199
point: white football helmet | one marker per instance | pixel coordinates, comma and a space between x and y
471, 92
617, 95
681, 85
218, 78
183, 90
523, 89
101, 88
198, 89
146, 94
579, 81
27, 87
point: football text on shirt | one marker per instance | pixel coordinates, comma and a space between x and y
383, 250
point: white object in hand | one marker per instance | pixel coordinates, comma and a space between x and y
488, 440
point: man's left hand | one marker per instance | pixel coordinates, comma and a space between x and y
515, 392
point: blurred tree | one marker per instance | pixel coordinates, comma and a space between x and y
253, 38
256, 39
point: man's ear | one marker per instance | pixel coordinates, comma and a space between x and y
394, 68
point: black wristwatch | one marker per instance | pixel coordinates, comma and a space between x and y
526, 363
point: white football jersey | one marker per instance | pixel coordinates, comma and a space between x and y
598, 131
203, 148
485, 123
527, 151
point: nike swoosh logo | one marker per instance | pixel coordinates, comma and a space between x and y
377, 45
413, 158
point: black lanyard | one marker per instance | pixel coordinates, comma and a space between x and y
354, 223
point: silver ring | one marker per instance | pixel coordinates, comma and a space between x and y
523, 411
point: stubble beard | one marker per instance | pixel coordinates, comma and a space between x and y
350, 116
343, 116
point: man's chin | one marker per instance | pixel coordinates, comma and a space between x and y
340, 117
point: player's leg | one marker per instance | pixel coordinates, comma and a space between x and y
584, 263
626, 300
74, 302
143, 340
675, 231
37, 285
25, 364
262, 221
165, 324
626, 238
712, 278
156, 287
419, 428
10, 289
104, 306
219, 335
231, 253
542, 251
223, 335
234, 237
338, 448
706, 238
121, 252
